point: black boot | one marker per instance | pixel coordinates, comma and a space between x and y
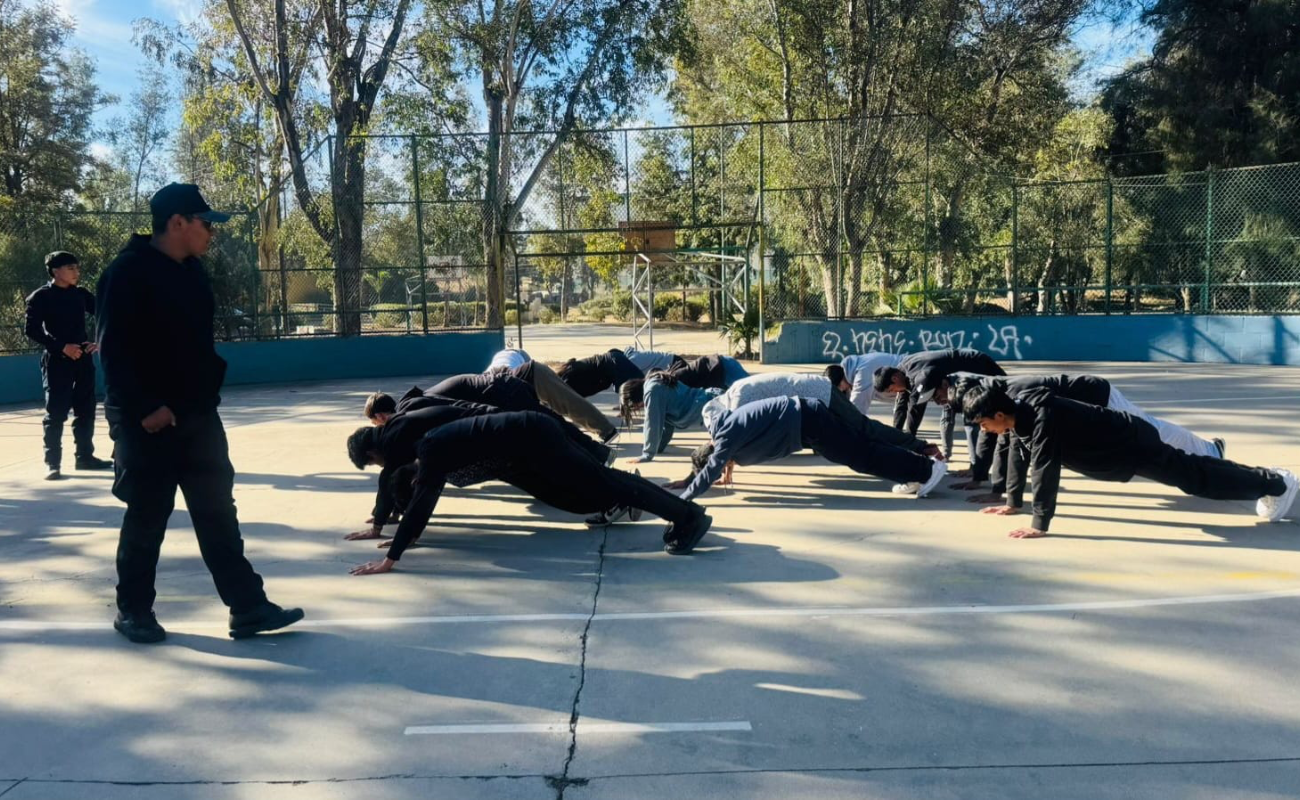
140, 627
266, 617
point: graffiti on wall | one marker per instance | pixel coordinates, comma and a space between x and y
1003, 340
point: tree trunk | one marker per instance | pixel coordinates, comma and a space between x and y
1047, 278
830, 265
349, 210
949, 227
855, 283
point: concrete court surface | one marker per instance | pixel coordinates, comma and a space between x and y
828, 639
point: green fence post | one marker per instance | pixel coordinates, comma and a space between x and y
762, 240
1015, 248
1110, 236
1209, 234
251, 220
419, 233
925, 246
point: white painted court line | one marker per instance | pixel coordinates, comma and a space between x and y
583, 728
636, 616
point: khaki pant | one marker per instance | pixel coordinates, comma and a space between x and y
566, 402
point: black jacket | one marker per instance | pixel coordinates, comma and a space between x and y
925, 371
401, 435
1089, 389
1098, 442
588, 376
500, 389
57, 317
155, 335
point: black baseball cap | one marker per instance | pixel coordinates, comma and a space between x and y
183, 199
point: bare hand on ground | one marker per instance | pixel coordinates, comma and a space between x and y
1001, 511
991, 497
162, 418
373, 567
1027, 533
959, 473
367, 533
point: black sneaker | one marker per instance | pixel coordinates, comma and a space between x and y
610, 437
613, 515
681, 538
141, 627
53, 474
266, 617
90, 462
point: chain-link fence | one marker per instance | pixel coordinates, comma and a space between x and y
855, 218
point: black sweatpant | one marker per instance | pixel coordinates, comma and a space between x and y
537, 458
849, 414
69, 386
149, 467
1204, 476
546, 464
828, 436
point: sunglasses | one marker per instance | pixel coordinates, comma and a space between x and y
207, 224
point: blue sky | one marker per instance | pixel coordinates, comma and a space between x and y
104, 31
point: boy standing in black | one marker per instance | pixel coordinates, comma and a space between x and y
56, 320
163, 379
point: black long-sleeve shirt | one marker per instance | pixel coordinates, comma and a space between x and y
588, 376
56, 316
156, 341
1098, 442
456, 447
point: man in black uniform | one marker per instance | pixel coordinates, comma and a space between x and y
56, 320
504, 446
922, 377
163, 375
1108, 445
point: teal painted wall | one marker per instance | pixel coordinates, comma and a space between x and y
1206, 339
314, 359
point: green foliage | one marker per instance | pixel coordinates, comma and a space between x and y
741, 329
1218, 90
47, 96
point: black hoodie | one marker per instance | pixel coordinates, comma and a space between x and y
155, 335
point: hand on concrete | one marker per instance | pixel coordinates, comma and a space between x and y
991, 497
162, 418
959, 473
1001, 511
365, 533
374, 567
1027, 533
72, 351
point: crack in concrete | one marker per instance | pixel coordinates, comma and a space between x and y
562, 782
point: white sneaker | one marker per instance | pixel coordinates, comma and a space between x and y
1275, 507
906, 488
937, 472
